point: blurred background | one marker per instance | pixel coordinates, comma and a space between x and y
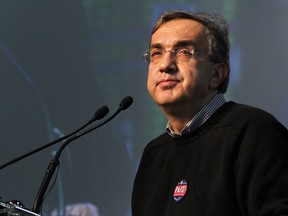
62, 60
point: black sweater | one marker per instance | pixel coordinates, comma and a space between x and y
234, 164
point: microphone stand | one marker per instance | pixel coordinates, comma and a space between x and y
61, 203
126, 102
54, 163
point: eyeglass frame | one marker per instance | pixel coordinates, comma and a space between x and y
173, 52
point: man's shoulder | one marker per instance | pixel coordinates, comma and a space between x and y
245, 114
243, 111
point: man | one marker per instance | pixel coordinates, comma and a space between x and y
216, 157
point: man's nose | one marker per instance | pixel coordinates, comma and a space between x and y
167, 64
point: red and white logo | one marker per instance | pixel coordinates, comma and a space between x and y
180, 190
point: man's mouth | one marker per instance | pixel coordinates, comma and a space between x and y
167, 82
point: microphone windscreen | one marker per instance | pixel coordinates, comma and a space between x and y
126, 102
100, 113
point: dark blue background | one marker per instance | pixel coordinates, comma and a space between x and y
62, 60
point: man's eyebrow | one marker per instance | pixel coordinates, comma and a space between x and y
186, 43
156, 45
181, 43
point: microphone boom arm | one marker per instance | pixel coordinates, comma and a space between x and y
98, 115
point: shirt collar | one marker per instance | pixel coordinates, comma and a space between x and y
202, 116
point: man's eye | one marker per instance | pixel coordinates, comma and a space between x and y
184, 51
156, 53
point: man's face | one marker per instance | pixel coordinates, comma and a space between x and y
182, 83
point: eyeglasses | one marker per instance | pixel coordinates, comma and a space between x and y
181, 54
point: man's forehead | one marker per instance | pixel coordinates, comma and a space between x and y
178, 31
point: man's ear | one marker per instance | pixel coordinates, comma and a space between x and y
219, 74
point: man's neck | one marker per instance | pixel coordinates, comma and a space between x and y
179, 115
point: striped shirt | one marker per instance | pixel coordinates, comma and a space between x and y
202, 116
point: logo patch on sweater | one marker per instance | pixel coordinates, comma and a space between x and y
180, 190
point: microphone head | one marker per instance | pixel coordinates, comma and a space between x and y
125, 103
100, 113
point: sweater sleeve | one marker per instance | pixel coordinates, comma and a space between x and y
261, 168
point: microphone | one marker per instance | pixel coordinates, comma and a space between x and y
124, 104
99, 114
